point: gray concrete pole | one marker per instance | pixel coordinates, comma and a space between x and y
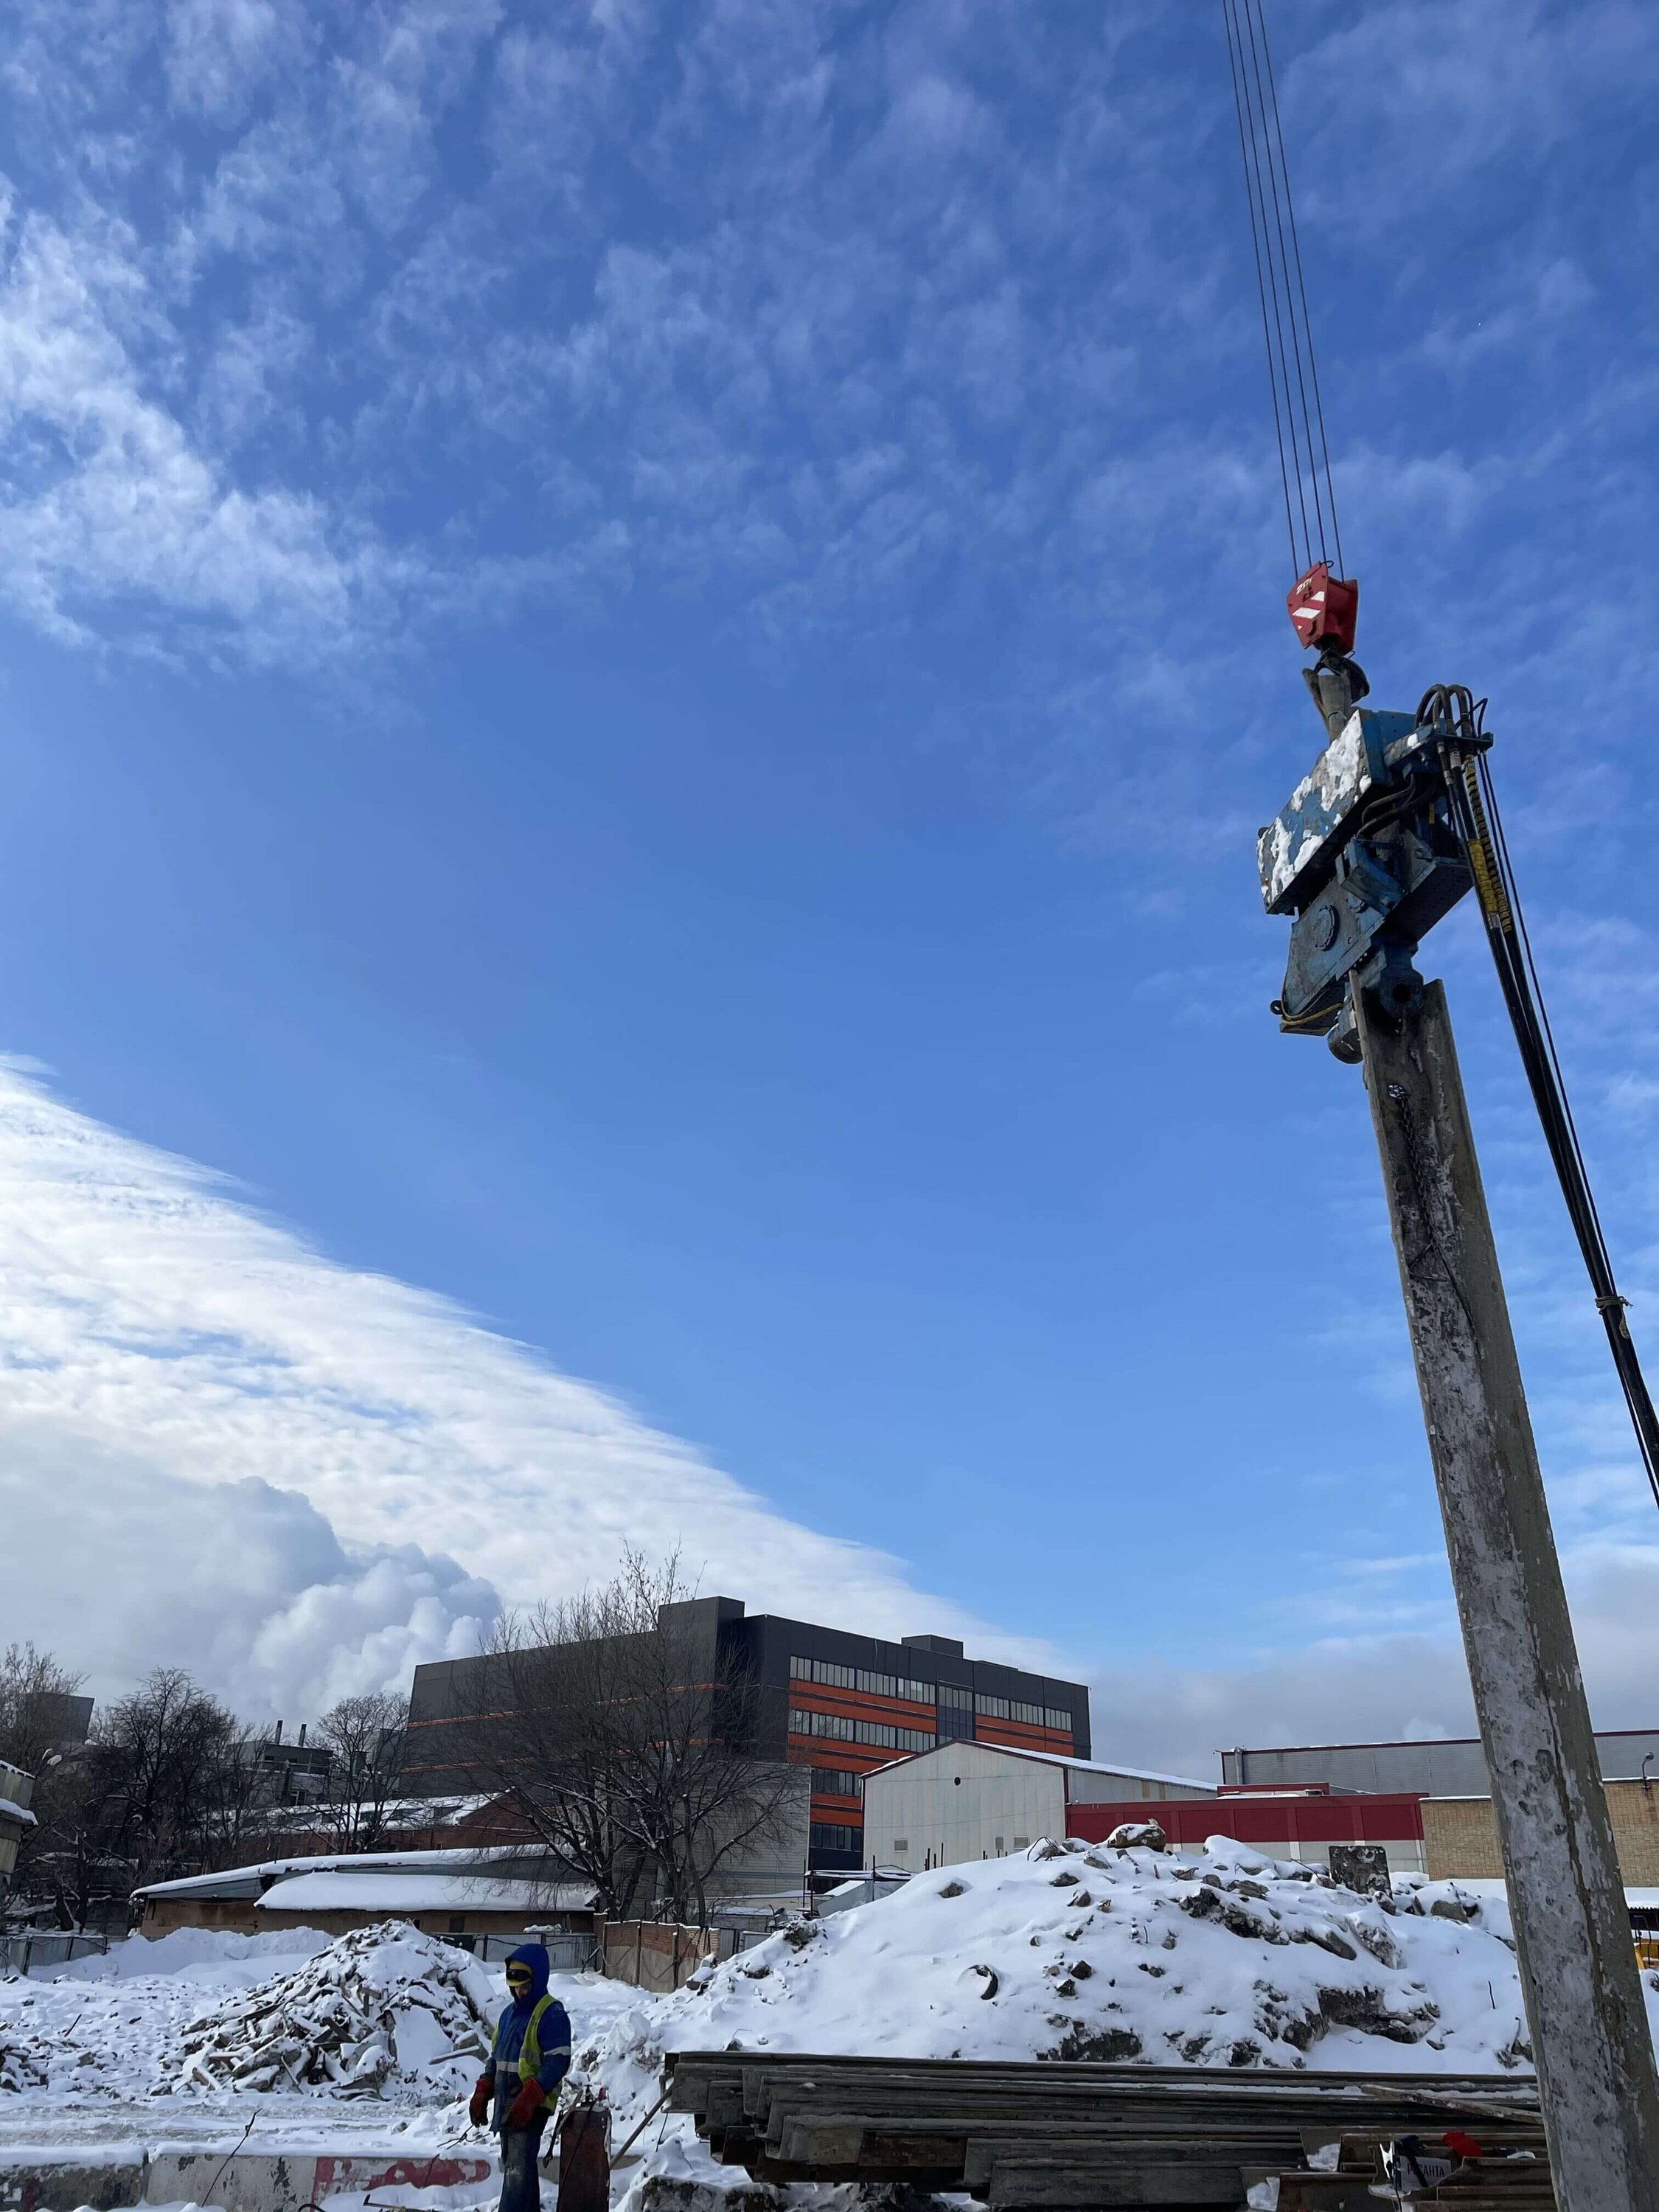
1578, 1972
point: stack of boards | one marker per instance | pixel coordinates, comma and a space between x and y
1052, 2133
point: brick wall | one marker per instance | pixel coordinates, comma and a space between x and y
1459, 1835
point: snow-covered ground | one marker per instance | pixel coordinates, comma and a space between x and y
1224, 1958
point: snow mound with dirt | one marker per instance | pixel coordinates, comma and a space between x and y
384, 2013
1071, 1951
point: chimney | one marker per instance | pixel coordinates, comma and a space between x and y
302, 1736
276, 1735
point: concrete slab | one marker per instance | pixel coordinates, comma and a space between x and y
241, 2181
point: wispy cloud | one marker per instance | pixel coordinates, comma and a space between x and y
813, 312
330, 323
109, 500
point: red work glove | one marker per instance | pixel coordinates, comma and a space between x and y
483, 2090
526, 2106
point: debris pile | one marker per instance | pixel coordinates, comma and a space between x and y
384, 2011
21, 2068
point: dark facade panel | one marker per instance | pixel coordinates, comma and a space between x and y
450, 1697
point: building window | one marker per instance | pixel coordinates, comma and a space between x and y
839, 1729
999, 1847
830, 1676
825, 1837
1022, 1843
834, 1725
836, 1782
1011, 1709
950, 1694
900, 1843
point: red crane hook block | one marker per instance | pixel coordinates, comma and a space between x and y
1324, 608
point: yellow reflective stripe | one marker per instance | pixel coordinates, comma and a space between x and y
530, 2051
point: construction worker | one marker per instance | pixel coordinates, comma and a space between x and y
530, 2057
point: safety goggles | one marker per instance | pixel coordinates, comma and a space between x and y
519, 1977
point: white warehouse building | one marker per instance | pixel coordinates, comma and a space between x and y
977, 1800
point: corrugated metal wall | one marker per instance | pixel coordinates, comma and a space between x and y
963, 1801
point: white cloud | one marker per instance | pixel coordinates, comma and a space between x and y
218, 51
823, 318
247, 1585
748, 292
113, 500
219, 1447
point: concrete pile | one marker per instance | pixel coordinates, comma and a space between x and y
385, 2011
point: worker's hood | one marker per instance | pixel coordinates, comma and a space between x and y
534, 1956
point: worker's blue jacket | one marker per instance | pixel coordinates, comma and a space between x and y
533, 2038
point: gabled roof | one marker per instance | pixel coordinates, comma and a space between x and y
394, 1889
252, 1880
1051, 1758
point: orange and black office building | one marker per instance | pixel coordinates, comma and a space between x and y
837, 1702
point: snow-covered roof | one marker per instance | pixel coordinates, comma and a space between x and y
352, 1889
249, 1880
1052, 1759
20, 1813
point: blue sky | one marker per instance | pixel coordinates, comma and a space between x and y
641, 649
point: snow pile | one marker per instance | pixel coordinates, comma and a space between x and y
384, 2011
1072, 1951
184, 1949
379, 2012
1224, 1959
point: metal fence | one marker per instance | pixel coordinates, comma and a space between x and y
566, 1954
39, 1949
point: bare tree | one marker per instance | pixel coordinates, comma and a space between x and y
34, 1690
172, 1772
628, 1745
365, 1738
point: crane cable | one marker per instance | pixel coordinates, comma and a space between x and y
1304, 459
1453, 717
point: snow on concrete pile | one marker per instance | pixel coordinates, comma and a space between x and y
375, 2014
384, 2011
1074, 1952
102, 2027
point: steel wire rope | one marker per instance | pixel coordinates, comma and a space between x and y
1260, 284
1301, 337
1302, 291
1454, 716
1581, 1198
1299, 426
1267, 280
